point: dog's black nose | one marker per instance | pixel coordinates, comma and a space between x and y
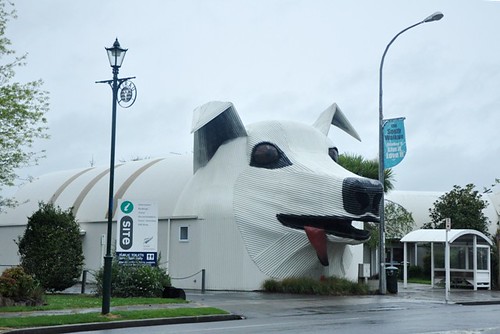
361, 196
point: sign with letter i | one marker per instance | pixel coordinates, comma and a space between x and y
137, 232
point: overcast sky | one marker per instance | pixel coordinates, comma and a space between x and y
274, 60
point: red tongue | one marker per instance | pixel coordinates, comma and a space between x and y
317, 238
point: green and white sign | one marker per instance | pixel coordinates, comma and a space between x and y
137, 231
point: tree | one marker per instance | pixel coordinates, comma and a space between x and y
465, 208
22, 111
51, 247
398, 223
366, 168
495, 257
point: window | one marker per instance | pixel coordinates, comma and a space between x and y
457, 257
183, 233
483, 258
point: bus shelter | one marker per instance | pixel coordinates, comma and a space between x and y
469, 256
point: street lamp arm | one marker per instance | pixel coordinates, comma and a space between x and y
433, 17
119, 80
382, 62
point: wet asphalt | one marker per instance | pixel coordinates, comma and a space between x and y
260, 306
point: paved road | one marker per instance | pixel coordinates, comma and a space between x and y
411, 313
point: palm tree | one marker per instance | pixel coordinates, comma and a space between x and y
366, 168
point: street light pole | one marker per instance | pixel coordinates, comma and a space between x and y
381, 177
116, 55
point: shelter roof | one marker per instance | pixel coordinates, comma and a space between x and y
439, 235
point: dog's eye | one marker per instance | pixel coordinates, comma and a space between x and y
269, 156
265, 154
334, 154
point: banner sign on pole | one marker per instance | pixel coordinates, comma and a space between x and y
394, 141
137, 232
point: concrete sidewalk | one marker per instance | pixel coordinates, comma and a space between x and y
413, 291
425, 292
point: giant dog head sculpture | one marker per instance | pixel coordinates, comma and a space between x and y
280, 183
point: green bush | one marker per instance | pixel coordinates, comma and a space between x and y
271, 285
17, 285
332, 286
415, 272
426, 271
494, 260
134, 280
51, 248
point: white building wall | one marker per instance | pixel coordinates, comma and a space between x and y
184, 266
94, 246
228, 266
8, 247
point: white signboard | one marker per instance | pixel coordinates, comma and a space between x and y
137, 231
448, 223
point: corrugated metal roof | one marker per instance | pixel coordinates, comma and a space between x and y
86, 189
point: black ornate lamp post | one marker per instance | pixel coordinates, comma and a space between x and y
116, 54
382, 281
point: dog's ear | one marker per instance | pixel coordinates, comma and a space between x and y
334, 116
213, 124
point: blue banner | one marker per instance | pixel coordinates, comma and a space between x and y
394, 142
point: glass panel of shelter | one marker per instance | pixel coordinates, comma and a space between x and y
461, 257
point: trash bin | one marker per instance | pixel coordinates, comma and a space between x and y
391, 274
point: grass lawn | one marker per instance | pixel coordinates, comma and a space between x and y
419, 280
64, 301
80, 318
74, 302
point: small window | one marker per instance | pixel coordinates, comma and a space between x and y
183, 233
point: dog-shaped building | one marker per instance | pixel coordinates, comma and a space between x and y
276, 189
264, 201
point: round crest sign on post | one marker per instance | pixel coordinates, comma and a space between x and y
127, 94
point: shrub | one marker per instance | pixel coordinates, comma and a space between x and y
426, 271
272, 285
326, 286
134, 280
415, 272
495, 261
51, 248
18, 286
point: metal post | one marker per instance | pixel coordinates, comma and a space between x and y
203, 281
474, 261
447, 268
498, 259
108, 258
116, 55
405, 267
84, 280
432, 264
382, 281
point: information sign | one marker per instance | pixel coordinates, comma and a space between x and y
137, 231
